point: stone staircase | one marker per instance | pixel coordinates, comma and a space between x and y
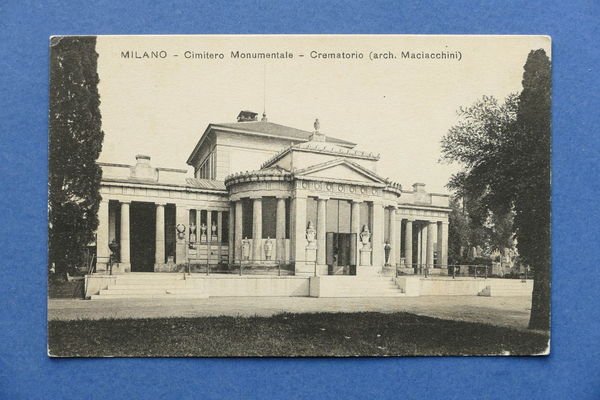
152, 286
357, 286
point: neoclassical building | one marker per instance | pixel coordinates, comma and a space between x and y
266, 195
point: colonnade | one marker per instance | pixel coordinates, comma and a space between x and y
257, 234
400, 234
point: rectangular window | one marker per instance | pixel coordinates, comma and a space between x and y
339, 216
365, 216
269, 217
344, 216
247, 216
225, 228
332, 215
192, 220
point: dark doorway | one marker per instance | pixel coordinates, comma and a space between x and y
341, 253
142, 236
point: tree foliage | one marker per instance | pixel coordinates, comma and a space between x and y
504, 149
531, 150
75, 142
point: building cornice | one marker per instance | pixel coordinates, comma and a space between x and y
158, 186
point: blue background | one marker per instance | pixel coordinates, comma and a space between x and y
572, 371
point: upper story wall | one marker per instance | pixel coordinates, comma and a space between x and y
237, 152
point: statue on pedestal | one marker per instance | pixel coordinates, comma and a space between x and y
310, 234
245, 249
365, 236
192, 233
213, 230
203, 232
268, 246
387, 248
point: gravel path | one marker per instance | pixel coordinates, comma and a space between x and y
502, 311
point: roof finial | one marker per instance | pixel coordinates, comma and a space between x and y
264, 117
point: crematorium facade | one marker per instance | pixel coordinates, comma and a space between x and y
266, 197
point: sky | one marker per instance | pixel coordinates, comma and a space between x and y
400, 108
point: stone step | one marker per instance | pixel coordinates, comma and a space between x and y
344, 294
149, 296
155, 277
133, 285
112, 290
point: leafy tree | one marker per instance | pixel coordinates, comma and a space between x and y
75, 143
478, 142
505, 151
458, 232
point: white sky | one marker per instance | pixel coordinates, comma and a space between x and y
399, 108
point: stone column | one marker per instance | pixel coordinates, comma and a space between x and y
182, 217
125, 244
230, 238
198, 223
280, 230
429, 254
208, 226
398, 243
355, 228
422, 244
299, 229
219, 234
377, 236
102, 250
112, 223
393, 237
257, 229
442, 244
408, 243
238, 231
321, 230
159, 254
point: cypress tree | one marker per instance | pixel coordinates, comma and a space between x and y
532, 191
75, 143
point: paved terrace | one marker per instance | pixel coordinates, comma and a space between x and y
501, 311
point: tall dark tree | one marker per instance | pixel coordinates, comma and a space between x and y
531, 152
505, 151
75, 143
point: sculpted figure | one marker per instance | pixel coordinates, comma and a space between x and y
310, 233
203, 232
268, 246
180, 231
245, 249
213, 230
365, 236
387, 249
192, 233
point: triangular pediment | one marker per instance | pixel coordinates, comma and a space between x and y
341, 170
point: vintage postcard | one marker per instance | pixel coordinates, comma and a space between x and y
299, 195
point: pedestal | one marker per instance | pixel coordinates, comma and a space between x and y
310, 254
365, 256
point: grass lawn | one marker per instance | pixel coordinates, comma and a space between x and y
323, 334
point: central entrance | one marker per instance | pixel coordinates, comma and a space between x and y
341, 253
142, 236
